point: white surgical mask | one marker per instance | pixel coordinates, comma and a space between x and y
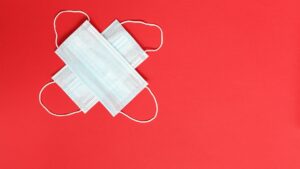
124, 43
103, 68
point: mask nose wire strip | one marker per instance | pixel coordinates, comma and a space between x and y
145, 121
153, 25
42, 104
62, 12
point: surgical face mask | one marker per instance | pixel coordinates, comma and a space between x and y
124, 43
100, 69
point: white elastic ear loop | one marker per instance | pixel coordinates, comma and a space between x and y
42, 104
145, 121
149, 24
65, 11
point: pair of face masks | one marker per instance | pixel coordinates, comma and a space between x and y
101, 67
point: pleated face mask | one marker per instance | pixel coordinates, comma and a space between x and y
100, 67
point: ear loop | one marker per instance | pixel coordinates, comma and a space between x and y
149, 120
152, 25
50, 112
52, 82
62, 12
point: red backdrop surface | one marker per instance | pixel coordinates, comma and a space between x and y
227, 81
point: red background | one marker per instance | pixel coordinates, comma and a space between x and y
227, 81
